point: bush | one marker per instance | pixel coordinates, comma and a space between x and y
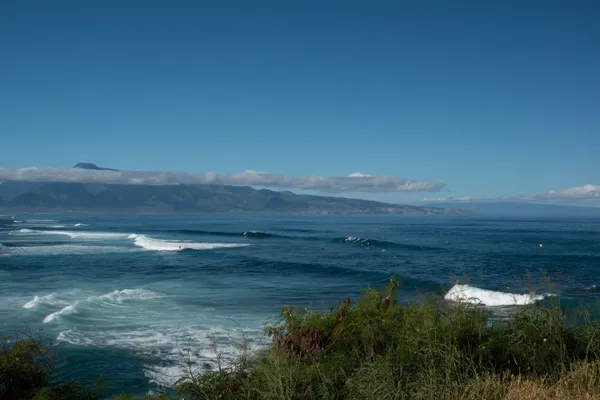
26, 372
377, 349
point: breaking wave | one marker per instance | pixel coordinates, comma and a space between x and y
61, 250
490, 298
383, 244
79, 224
50, 299
70, 309
114, 298
119, 296
149, 243
248, 234
260, 235
77, 235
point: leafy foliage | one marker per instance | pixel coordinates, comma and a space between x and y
26, 372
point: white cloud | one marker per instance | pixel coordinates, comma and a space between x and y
585, 192
355, 182
359, 175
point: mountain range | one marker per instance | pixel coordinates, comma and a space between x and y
31, 196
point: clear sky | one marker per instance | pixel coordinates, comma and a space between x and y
487, 97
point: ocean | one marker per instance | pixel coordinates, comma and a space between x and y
135, 296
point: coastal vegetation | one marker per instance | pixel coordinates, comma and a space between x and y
371, 348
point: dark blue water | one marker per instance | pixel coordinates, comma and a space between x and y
127, 294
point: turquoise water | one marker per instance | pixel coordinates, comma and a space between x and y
129, 294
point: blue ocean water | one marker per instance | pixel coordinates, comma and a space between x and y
130, 295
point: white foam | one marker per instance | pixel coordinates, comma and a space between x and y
113, 298
62, 250
49, 299
77, 234
77, 225
80, 235
166, 345
118, 296
32, 303
149, 243
491, 298
353, 239
56, 226
70, 309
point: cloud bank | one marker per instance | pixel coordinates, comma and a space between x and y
355, 182
586, 193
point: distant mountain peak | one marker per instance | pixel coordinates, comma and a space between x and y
83, 165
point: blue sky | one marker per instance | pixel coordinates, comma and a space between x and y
489, 98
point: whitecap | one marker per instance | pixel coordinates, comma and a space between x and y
78, 235
118, 296
62, 250
490, 298
49, 299
70, 309
149, 243
113, 298
32, 303
80, 224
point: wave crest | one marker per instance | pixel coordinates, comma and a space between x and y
67, 249
119, 296
70, 309
248, 234
50, 299
490, 298
259, 234
149, 243
77, 235
113, 298
382, 244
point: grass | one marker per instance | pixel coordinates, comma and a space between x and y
375, 348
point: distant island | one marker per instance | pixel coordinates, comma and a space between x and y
92, 167
519, 209
30, 196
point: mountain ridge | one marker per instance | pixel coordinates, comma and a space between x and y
32, 196
92, 166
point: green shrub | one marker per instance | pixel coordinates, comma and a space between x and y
26, 372
373, 348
